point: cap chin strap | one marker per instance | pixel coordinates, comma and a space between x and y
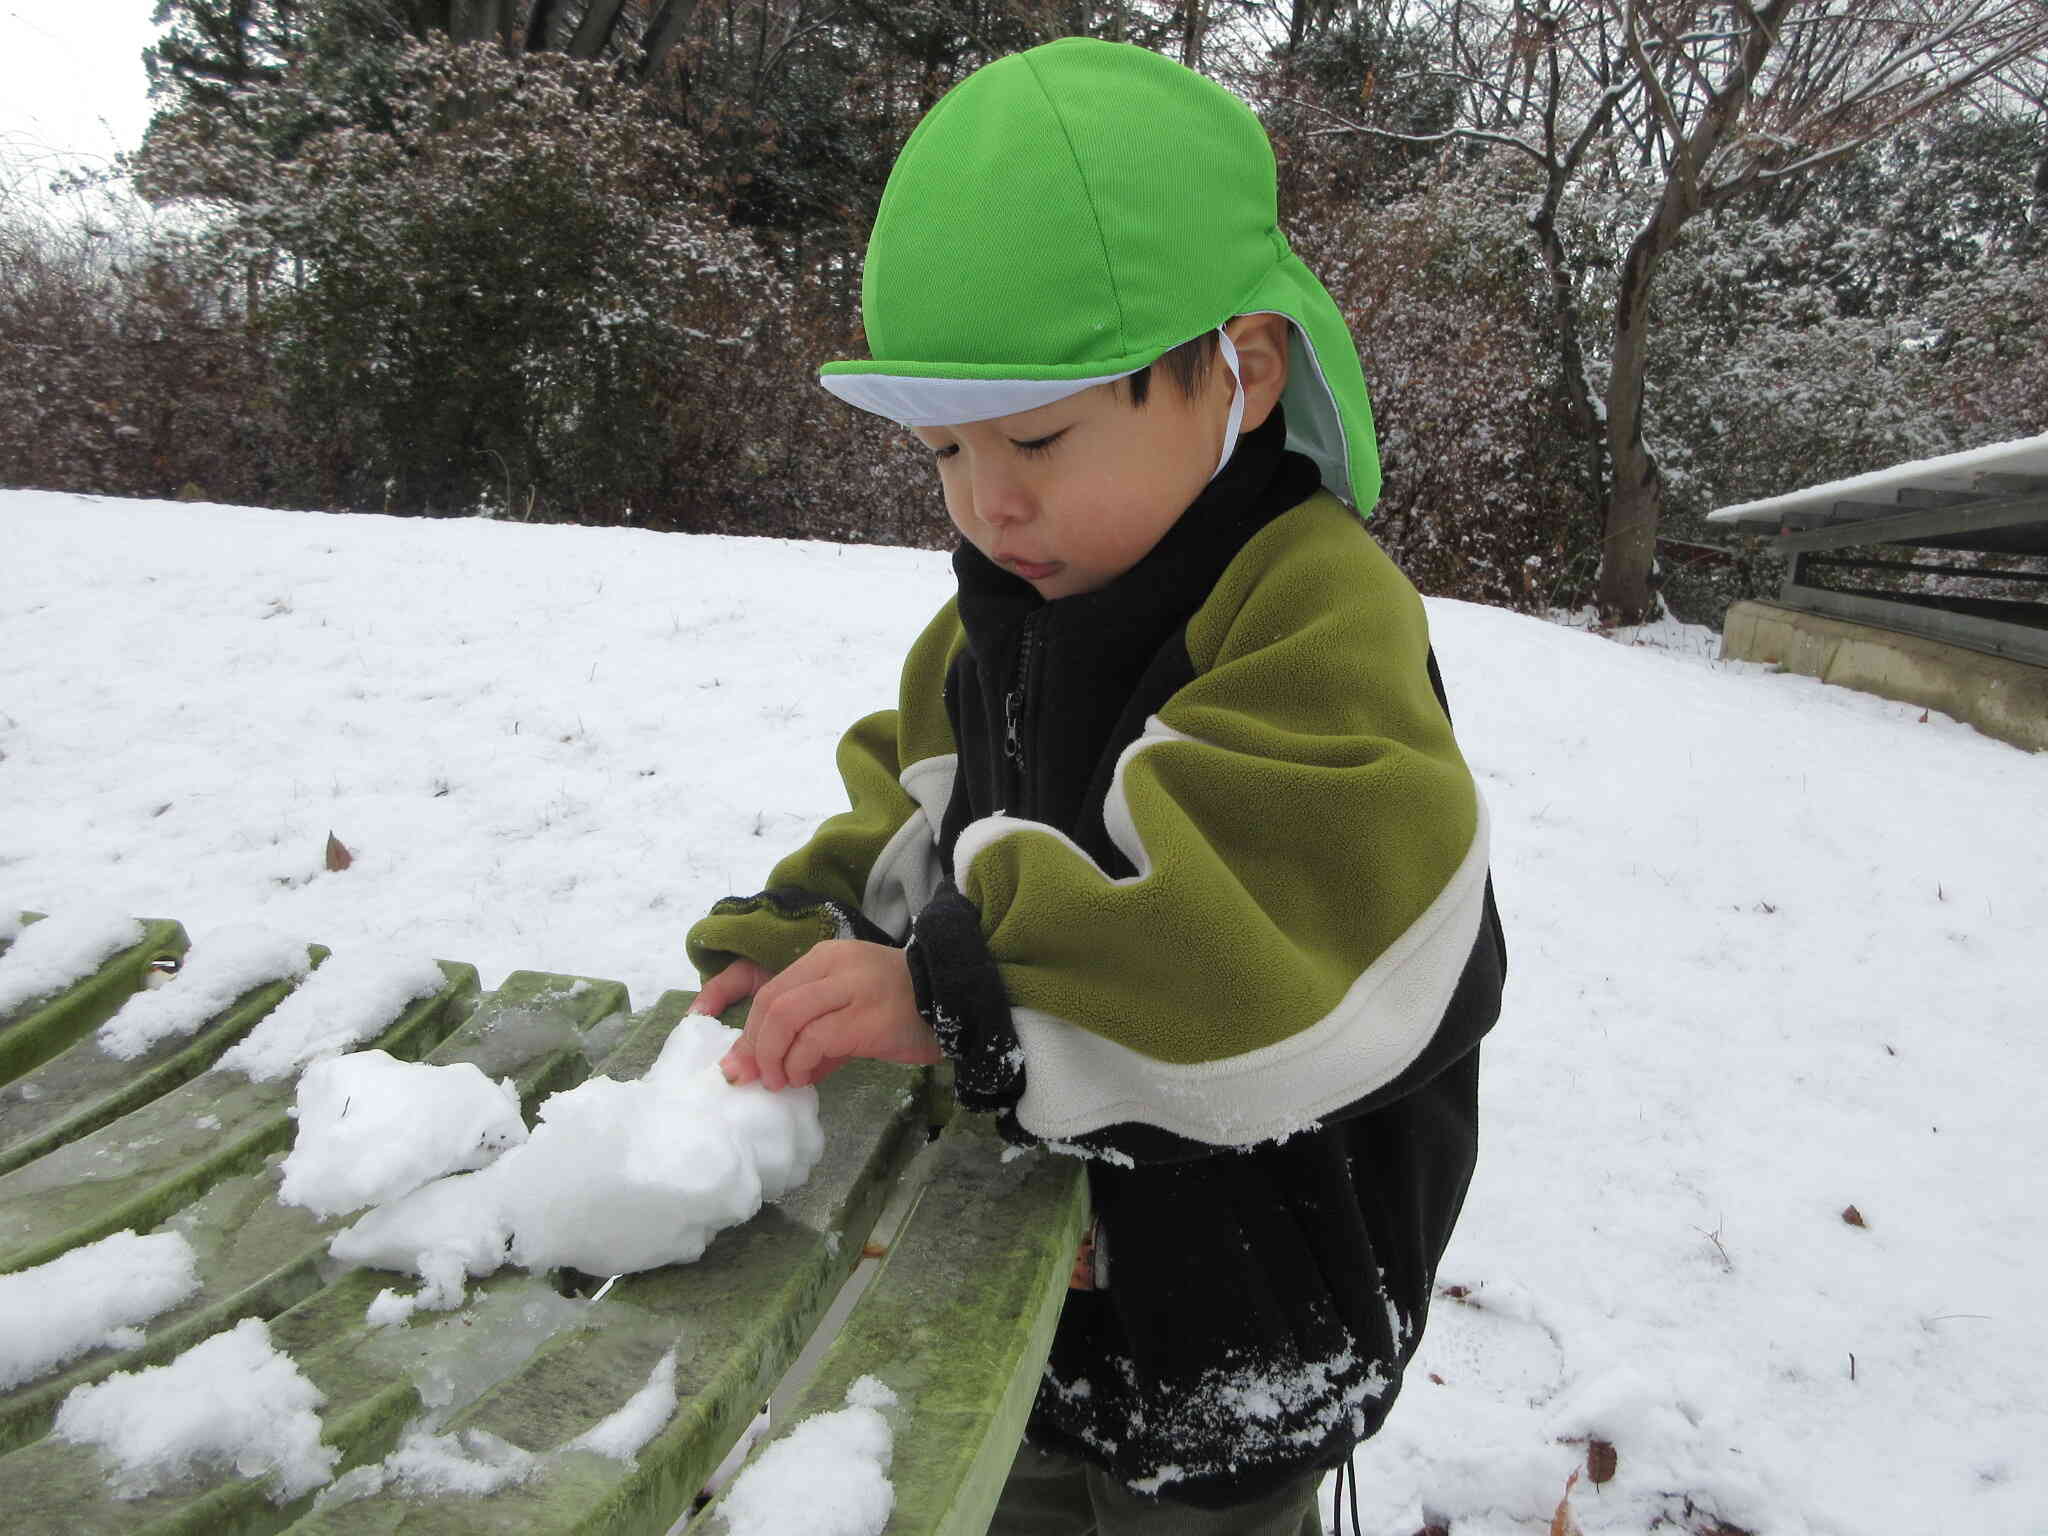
1236, 421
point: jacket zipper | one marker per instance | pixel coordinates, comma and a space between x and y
1016, 712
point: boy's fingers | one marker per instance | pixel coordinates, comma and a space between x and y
821, 1049
720, 992
788, 1013
739, 1067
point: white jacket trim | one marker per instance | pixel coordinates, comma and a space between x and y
906, 873
1077, 1081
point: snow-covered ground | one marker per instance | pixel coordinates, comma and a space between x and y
1774, 950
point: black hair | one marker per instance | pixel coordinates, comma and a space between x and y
1187, 365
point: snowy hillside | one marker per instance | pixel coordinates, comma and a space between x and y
1774, 950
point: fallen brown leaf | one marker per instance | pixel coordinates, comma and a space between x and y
1600, 1461
1853, 1216
338, 856
1564, 1522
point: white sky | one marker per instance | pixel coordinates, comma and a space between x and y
72, 90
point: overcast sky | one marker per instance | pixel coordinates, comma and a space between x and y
72, 91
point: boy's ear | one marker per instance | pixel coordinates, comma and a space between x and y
1262, 346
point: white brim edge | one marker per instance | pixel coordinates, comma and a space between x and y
924, 402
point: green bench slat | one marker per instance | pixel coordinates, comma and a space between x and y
958, 1324
137, 1171
33, 1036
55, 1486
256, 1257
77, 1092
737, 1318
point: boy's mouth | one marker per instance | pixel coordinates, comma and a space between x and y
1029, 570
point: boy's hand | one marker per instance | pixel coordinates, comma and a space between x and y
843, 999
737, 982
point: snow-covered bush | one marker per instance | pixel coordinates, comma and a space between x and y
507, 291
1486, 492
118, 371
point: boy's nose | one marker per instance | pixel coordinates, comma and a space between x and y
999, 499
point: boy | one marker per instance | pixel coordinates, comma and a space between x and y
1167, 845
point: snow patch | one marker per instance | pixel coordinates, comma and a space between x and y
48, 956
620, 1435
348, 1000
829, 1476
216, 970
90, 1298
231, 1404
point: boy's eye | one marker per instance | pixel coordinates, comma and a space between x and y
945, 451
1040, 444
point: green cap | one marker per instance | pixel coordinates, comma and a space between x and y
1064, 216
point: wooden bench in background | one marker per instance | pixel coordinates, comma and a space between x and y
957, 1321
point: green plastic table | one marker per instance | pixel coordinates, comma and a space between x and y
957, 1321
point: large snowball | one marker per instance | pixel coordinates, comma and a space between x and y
617, 1177
628, 1176
372, 1128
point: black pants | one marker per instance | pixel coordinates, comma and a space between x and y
1053, 1495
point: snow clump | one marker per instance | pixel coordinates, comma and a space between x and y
372, 1128
827, 1477
90, 1298
617, 1176
232, 1403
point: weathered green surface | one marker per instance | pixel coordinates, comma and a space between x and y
373, 1384
84, 1088
137, 1171
43, 1029
257, 1257
736, 1319
958, 1324
528, 1359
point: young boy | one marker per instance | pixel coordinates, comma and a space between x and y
1167, 844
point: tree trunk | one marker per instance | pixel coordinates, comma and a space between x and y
2035, 238
595, 30
540, 26
475, 21
1635, 503
667, 26
1628, 547
1573, 379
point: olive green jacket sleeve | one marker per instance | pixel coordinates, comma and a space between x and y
1310, 878
866, 871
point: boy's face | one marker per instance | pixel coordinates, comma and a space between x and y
1071, 495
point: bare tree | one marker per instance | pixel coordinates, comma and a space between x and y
1697, 102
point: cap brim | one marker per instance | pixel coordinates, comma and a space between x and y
923, 401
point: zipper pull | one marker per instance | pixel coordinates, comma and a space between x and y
1013, 738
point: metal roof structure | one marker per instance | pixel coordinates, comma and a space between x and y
2003, 486
1857, 549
